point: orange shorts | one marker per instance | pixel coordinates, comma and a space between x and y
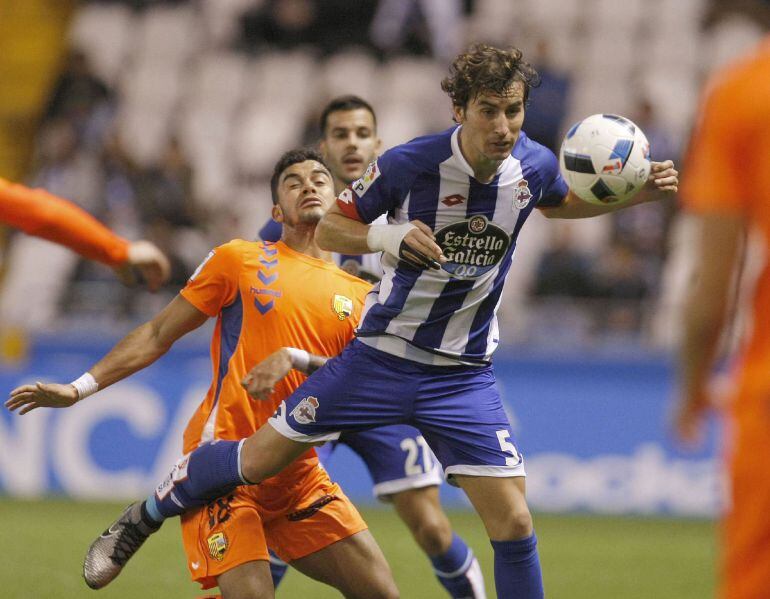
295, 513
746, 540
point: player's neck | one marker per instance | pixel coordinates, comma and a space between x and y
484, 169
302, 239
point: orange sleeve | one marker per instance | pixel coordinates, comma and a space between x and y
714, 175
214, 284
39, 213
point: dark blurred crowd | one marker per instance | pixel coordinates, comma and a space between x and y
79, 156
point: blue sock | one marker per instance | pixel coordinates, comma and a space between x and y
278, 569
456, 572
517, 569
212, 470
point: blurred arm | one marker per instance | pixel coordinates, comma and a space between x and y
705, 311
39, 213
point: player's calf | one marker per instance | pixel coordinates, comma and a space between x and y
208, 472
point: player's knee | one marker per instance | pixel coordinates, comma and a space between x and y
385, 589
512, 526
433, 535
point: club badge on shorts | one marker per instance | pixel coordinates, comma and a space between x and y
521, 195
218, 545
342, 306
304, 412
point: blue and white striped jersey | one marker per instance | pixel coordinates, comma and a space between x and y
445, 316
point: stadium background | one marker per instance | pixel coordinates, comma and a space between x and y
164, 119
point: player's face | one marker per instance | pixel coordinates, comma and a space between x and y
305, 191
349, 144
492, 123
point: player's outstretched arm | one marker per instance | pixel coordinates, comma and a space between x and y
135, 351
663, 177
413, 242
261, 380
147, 258
39, 213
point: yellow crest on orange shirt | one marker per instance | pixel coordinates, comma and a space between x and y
342, 306
218, 545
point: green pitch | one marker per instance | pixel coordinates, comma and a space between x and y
583, 556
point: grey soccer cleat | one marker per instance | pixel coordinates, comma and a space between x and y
114, 547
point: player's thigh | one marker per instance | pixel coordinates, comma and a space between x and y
461, 415
359, 389
266, 452
398, 459
501, 503
223, 535
355, 566
251, 580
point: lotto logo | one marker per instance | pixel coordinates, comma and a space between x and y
346, 196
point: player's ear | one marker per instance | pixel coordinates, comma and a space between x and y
277, 213
378, 146
458, 113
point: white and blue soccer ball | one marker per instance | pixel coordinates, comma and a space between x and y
605, 159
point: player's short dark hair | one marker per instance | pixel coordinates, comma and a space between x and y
484, 68
342, 103
288, 159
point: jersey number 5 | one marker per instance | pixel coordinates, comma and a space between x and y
503, 437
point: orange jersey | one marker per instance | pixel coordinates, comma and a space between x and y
39, 213
265, 296
728, 171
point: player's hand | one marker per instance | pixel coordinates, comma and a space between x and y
260, 382
40, 395
419, 247
153, 265
689, 418
663, 177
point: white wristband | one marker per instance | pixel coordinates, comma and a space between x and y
86, 385
387, 238
300, 359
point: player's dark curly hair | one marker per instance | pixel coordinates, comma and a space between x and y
288, 159
484, 68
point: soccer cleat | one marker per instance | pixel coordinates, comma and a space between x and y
114, 547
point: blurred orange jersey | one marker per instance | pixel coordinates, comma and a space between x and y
39, 213
265, 296
728, 171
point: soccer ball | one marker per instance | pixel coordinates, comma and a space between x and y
605, 159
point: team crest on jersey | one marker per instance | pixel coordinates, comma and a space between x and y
218, 545
342, 306
364, 183
304, 413
522, 195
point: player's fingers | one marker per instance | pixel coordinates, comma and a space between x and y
425, 246
417, 258
661, 166
23, 389
424, 228
29, 408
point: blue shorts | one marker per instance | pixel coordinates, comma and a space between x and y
456, 408
398, 458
